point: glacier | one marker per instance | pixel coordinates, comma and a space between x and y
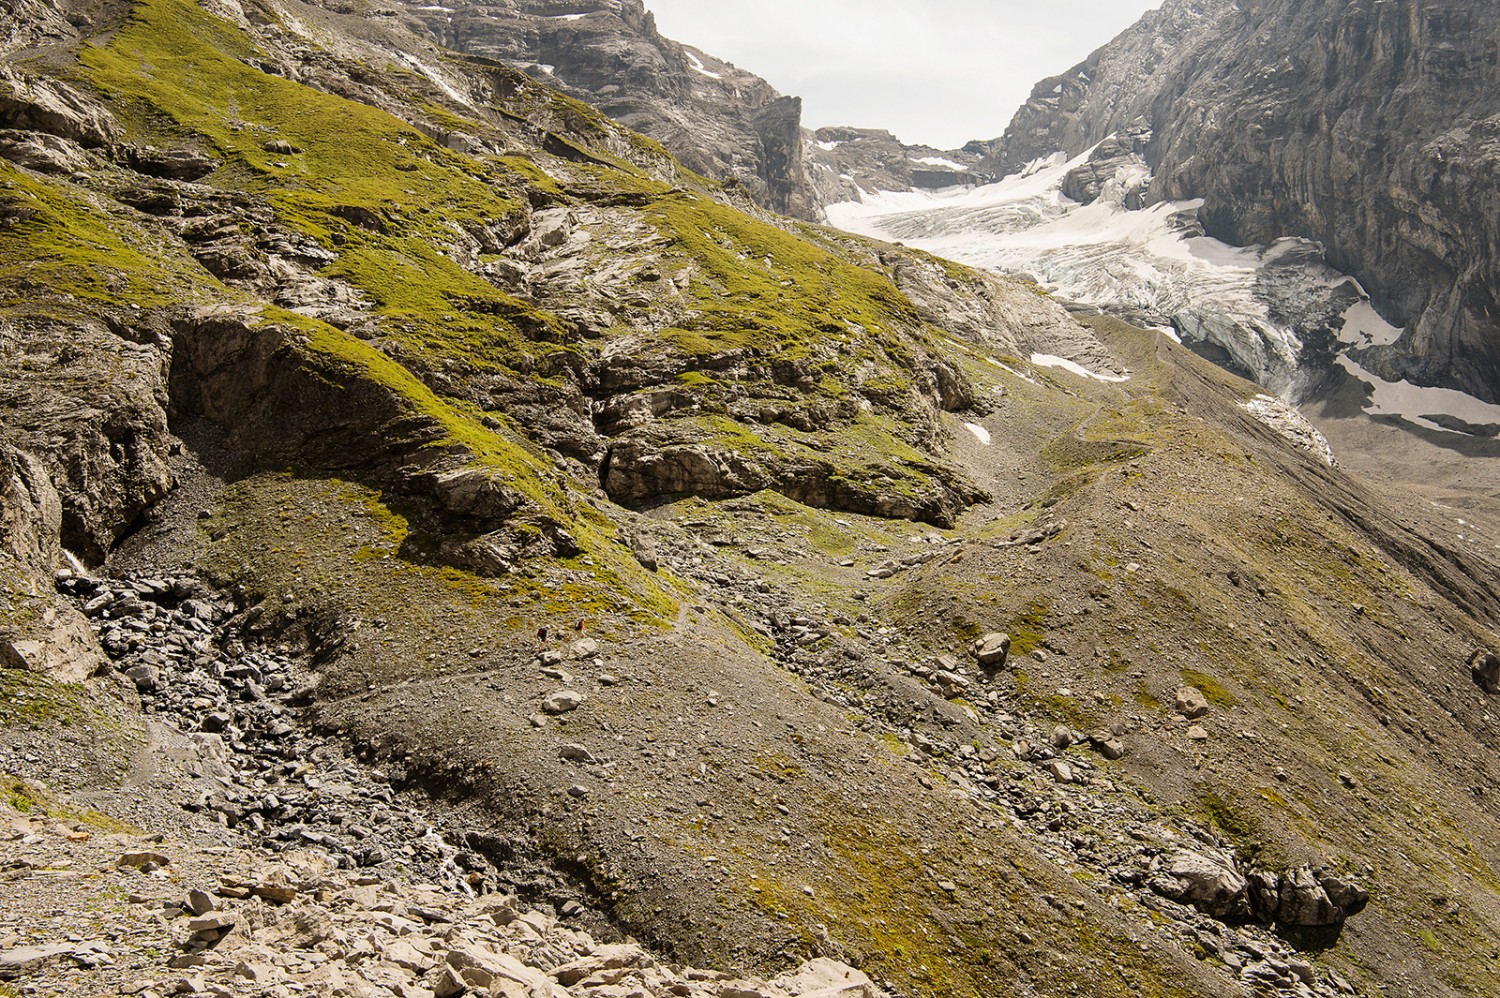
1278, 313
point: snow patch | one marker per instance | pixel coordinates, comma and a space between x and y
435, 77
1363, 327
980, 433
940, 161
1010, 370
566, 17
1419, 405
1073, 367
700, 68
828, 146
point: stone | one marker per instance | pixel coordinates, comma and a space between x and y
562, 702
576, 753
1060, 771
1209, 883
212, 925
276, 893
447, 983
404, 954
1197, 733
583, 648
643, 546
145, 677
1484, 666
1304, 902
24, 960
951, 684
602, 959
991, 650
1191, 703
142, 858
1062, 738
200, 902
1112, 749
825, 978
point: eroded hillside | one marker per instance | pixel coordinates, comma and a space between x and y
405, 358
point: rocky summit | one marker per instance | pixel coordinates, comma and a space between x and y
454, 544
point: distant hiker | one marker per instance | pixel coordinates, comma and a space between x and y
579, 628
541, 638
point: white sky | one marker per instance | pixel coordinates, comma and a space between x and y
940, 72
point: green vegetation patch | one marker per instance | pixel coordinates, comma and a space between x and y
31, 800
1212, 690
59, 241
36, 701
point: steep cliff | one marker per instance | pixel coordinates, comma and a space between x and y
718, 120
1370, 127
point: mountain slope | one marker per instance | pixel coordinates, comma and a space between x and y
1365, 126
412, 365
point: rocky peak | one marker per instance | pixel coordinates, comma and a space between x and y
720, 121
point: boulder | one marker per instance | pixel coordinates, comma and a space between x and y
825, 978
1484, 665
1191, 703
1304, 902
501, 973
562, 702
1348, 896
1264, 893
992, 650
1209, 883
602, 959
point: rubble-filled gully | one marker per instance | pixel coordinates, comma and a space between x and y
207, 670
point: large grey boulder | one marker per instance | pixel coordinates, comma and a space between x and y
991, 650
1209, 883
1304, 902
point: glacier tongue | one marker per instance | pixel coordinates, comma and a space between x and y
1266, 307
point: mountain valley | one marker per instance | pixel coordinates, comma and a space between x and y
454, 543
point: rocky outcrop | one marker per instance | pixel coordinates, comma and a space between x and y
718, 120
1304, 897
43, 105
1371, 127
86, 399
844, 163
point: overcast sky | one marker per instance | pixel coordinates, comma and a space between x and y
939, 72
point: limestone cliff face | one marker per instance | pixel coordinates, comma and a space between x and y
1371, 126
718, 120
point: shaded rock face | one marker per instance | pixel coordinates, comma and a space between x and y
842, 162
87, 405
1372, 127
718, 120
